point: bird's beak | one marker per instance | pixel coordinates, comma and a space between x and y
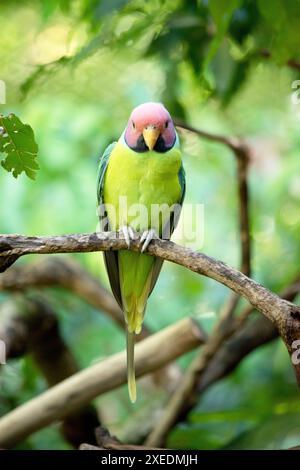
151, 134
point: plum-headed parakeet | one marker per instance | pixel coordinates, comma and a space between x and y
142, 171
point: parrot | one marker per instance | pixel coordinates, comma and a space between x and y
145, 167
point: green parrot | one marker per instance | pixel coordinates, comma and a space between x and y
141, 172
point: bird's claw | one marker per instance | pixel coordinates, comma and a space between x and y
128, 234
147, 237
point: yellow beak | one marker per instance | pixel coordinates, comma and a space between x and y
151, 135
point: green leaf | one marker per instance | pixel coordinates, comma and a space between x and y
18, 144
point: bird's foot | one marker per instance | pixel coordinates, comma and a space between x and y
147, 237
128, 234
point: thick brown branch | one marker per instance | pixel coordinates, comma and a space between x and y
283, 314
77, 391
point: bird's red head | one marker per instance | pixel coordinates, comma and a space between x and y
150, 127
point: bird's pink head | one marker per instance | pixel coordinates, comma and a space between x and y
150, 127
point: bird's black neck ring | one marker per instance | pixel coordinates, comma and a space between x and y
159, 147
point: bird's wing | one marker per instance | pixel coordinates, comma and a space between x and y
103, 162
110, 257
170, 227
181, 177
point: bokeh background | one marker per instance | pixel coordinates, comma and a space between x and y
74, 71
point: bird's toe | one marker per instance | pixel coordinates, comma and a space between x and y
146, 238
128, 234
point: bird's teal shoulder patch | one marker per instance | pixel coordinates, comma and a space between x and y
103, 162
181, 177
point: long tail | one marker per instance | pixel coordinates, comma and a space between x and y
130, 366
135, 274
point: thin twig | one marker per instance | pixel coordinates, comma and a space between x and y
235, 144
242, 154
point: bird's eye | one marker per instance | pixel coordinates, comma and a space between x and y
166, 124
133, 125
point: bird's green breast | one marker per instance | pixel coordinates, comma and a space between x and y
143, 179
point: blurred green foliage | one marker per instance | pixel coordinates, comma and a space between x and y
74, 71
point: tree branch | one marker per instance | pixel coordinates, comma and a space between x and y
242, 154
235, 144
186, 391
254, 334
243, 190
218, 358
77, 391
283, 314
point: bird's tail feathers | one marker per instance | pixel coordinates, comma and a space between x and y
134, 314
134, 300
134, 319
130, 366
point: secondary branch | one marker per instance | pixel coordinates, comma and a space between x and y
77, 391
